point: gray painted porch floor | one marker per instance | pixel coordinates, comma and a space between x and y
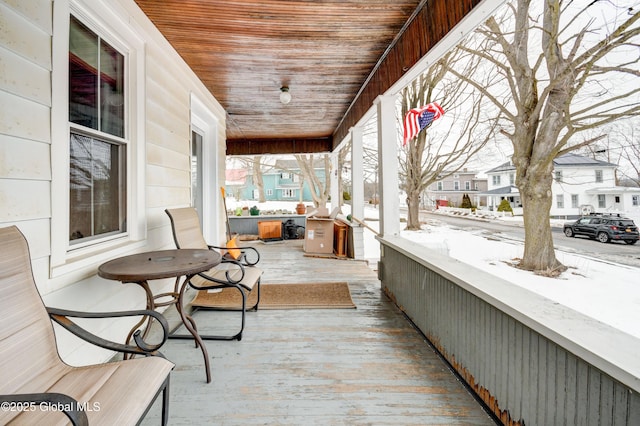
365, 366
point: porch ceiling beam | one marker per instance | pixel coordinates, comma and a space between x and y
279, 146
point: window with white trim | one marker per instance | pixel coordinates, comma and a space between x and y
440, 186
97, 141
288, 193
97, 137
599, 176
575, 201
602, 201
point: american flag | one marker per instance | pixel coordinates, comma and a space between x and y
419, 118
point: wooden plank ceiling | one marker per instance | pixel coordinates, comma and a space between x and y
325, 51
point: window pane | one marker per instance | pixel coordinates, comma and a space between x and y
90, 57
83, 75
97, 198
111, 91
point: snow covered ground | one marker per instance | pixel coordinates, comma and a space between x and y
603, 290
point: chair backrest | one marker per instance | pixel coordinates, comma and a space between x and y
187, 233
28, 353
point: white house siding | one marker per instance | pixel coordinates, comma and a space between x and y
28, 143
577, 180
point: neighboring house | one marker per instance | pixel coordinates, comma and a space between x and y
103, 126
281, 183
453, 187
580, 185
235, 182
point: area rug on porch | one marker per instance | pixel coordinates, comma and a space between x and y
330, 295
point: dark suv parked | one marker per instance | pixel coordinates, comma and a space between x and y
604, 228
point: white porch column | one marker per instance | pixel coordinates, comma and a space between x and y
357, 189
335, 190
388, 166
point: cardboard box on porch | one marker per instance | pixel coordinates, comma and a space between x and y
318, 233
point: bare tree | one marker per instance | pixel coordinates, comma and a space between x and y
258, 182
625, 147
344, 162
435, 155
320, 190
567, 67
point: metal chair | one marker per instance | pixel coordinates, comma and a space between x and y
239, 274
35, 380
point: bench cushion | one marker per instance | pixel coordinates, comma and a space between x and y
251, 276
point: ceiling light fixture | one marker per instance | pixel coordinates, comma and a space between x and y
285, 96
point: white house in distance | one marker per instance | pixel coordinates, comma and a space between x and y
581, 185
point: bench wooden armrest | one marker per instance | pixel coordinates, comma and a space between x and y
61, 317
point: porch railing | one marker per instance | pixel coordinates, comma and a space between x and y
530, 359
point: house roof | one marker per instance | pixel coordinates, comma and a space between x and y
567, 160
504, 167
235, 176
511, 189
580, 160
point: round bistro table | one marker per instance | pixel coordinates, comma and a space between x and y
141, 268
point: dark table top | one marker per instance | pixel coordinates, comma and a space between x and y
159, 264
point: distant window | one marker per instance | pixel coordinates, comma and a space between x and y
617, 198
602, 201
635, 200
598, 176
512, 179
475, 186
558, 175
575, 201
496, 180
285, 175
268, 192
288, 193
456, 185
467, 185
440, 186
560, 201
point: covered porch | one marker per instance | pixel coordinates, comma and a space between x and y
367, 365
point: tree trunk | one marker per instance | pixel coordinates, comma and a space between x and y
413, 215
535, 192
257, 178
